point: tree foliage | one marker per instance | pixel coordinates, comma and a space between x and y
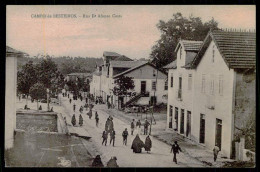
26, 78
38, 91
191, 28
123, 85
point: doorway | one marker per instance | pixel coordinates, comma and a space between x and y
218, 133
143, 86
188, 127
182, 122
170, 116
176, 118
202, 128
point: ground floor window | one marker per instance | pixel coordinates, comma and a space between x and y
153, 100
170, 116
188, 127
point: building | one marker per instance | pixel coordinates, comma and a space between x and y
144, 76
220, 82
10, 94
75, 76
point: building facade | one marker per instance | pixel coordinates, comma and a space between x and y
217, 106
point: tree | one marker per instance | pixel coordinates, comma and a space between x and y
123, 85
26, 78
37, 92
174, 29
47, 71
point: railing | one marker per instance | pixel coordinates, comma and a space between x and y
179, 95
138, 96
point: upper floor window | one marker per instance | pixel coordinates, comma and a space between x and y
153, 85
190, 82
203, 83
166, 85
220, 85
213, 53
212, 84
180, 52
171, 80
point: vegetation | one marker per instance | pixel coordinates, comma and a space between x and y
37, 92
191, 28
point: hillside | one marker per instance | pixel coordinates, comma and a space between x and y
67, 64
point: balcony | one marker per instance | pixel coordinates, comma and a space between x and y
210, 104
179, 95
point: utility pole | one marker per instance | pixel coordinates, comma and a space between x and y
152, 117
48, 106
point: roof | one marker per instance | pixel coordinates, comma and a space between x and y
123, 58
11, 51
126, 64
238, 49
172, 65
137, 67
107, 53
189, 45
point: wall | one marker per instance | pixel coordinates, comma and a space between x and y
10, 100
223, 103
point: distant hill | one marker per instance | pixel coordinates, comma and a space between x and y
67, 64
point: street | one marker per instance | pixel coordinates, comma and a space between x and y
160, 155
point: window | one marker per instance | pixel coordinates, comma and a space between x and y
190, 82
220, 85
171, 80
171, 110
213, 53
212, 85
203, 84
166, 85
180, 52
153, 85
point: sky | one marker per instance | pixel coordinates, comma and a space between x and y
132, 33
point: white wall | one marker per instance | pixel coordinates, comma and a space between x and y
223, 103
10, 100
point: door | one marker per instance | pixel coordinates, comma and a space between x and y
170, 117
143, 86
176, 118
218, 133
188, 127
202, 128
182, 121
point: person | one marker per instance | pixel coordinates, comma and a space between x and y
40, 108
51, 109
70, 100
68, 95
112, 162
81, 98
109, 126
146, 124
74, 107
138, 126
137, 144
86, 100
80, 120
97, 162
90, 114
132, 127
97, 118
175, 149
148, 144
104, 136
125, 134
113, 137
215, 152
80, 109
73, 120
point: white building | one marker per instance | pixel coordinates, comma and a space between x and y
143, 74
218, 89
10, 95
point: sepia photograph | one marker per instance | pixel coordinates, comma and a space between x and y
108, 86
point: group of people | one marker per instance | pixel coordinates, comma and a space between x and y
97, 162
109, 129
138, 126
138, 144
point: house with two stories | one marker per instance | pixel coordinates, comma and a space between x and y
144, 75
217, 97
